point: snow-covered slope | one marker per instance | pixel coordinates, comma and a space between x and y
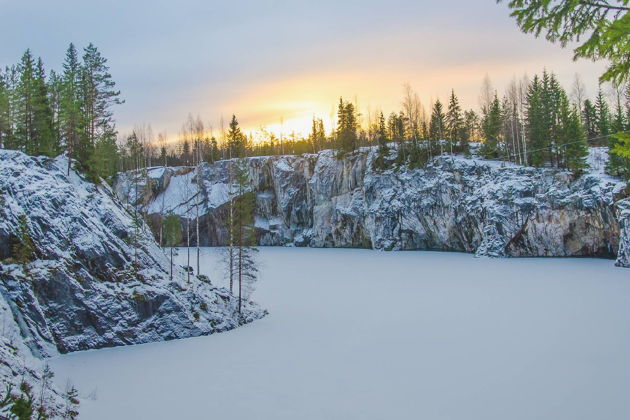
18, 365
455, 203
87, 286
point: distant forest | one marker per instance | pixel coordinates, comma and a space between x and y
535, 121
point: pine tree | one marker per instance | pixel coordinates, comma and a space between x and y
241, 262
70, 118
98, 96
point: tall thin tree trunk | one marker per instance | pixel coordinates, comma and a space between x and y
231, 227
197, 216
188, 247
240, 277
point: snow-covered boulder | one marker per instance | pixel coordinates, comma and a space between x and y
94, 278
455, 203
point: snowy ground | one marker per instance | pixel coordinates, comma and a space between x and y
359, 334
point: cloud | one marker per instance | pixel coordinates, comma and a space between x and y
267, 59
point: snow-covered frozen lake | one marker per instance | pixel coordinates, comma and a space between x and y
359, 334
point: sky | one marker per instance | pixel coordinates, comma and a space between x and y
273, 61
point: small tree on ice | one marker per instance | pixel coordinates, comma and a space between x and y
240, 258
172, 235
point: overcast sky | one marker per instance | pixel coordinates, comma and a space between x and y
270, 59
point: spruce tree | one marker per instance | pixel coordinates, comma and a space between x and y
617, 163
552, 96
23, 248
71, 399
619, 119
25, 137
491, 128
620, 154
214, 150
571, 139
437, 127
23, 407
317, 136
46, 142
105, 159
236, 140
55, 91
454, 122
471, 130
602, 111
589, 119
536, 124
382, 152
6, 120
600, 26
396, 127
346, 126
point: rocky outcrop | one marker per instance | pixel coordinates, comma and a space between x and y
77, 273
18, 367
455, 204
623, 256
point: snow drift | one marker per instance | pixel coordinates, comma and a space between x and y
454, 204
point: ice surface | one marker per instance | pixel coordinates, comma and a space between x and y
358, 334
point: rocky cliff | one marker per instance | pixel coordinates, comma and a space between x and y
77, 273
455, 204
623, 212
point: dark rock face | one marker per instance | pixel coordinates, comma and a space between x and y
95, 279
454, 204
623, 211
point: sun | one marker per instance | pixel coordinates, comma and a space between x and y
298, 126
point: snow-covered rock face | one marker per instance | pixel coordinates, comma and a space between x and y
454, 204
623, 210
87, 285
